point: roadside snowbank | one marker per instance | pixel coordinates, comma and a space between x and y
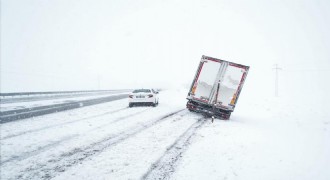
265, 139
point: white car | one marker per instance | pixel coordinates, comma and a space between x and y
143, 97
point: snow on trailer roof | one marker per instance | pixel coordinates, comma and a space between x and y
221, 60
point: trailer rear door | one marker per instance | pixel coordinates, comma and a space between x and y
204, 81
215, 77
230, 85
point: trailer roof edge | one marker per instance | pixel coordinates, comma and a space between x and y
219, 60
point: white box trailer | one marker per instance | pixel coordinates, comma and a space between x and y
216, 87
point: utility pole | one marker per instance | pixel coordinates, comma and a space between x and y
276, 79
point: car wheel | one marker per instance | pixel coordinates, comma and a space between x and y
154, 104
130, 105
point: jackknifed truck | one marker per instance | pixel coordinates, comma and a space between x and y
216, 87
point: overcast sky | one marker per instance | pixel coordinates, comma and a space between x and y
111, 44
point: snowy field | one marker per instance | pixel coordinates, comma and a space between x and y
265, 139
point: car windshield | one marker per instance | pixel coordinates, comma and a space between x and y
142, 90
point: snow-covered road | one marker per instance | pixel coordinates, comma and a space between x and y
111, 141
56, 145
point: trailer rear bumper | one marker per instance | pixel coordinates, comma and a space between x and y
208, 110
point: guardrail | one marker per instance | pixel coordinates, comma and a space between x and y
9, 116
58, 92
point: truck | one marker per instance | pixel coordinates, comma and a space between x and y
216, 87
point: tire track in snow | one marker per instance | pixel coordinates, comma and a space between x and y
41, 149
61, 124
52, 167
166, 164
36, 151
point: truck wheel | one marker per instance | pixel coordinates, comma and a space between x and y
226, 116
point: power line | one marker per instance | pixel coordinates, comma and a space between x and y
309, 70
